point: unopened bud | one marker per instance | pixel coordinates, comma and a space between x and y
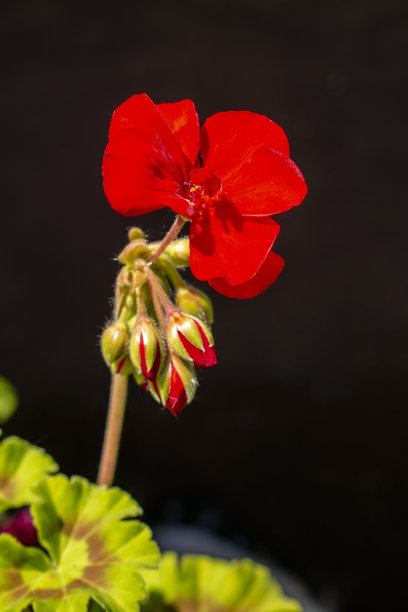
191, 339
195, 302
135, 233
132, 251
177, 384
145, 348
179, 252
114, 342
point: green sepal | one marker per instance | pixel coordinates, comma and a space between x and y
92, 552
196, 583
8, 400
21, 466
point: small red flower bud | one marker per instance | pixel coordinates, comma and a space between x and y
191, 339
177, 384
145, 348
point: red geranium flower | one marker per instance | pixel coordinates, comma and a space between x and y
243, 177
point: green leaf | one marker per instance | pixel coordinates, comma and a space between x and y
21, 466
8, 400
90, 551
201, 584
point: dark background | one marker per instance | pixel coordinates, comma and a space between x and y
300, 433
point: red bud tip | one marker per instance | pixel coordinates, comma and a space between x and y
152, 373
177, 397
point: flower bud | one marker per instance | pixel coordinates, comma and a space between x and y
179, 252
132, 251
191, 339
145, 348
114, 342
135, 233
177, 384
195, 302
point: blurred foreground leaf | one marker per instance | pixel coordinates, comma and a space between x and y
201, 584
21, 466
90, 551
8, 400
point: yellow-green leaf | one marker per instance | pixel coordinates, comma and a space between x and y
21, 466
8, 400
90, 551
197, 583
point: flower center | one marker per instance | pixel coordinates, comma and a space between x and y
203, 188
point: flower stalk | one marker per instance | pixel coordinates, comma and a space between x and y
170, 236
113, 431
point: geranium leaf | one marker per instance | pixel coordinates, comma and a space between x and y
93, 554
8, 400
201, 584
21, 466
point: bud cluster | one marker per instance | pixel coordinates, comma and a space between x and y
161, 327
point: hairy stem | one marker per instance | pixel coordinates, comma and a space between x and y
159, 311
172, 233
158, 291
113, 431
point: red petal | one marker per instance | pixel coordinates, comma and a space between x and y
266, 275
183, 119
228, 138
143, 166
225, 244
267, 183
